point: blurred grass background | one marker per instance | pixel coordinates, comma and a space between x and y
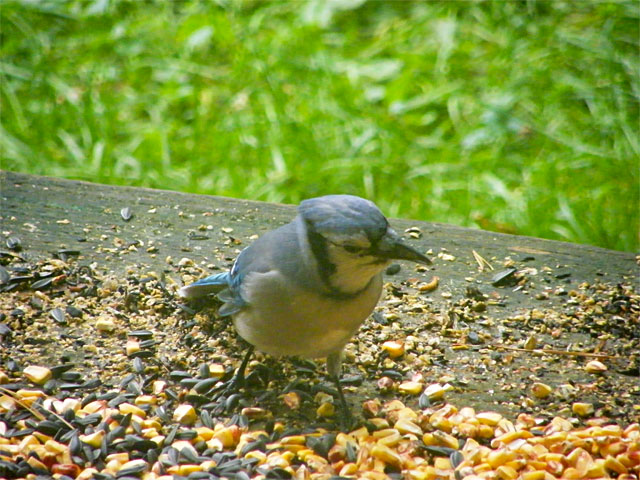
518, 116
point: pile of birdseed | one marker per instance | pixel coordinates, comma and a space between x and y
106, 376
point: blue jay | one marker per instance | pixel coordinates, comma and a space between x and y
305, 288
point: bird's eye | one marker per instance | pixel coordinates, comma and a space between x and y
351, 248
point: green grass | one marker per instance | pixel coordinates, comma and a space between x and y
517, 116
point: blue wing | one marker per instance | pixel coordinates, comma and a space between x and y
226, 285
206, 286
274, 250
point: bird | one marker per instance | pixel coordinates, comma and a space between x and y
305, 288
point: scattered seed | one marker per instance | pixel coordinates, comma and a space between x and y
14, 243
37, 374
595, 366
58, 315
503, 278
126, 214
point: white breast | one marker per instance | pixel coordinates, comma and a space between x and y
282, 320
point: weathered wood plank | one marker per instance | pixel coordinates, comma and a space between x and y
49, 214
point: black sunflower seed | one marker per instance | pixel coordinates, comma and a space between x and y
134, 388
141, 334
321, 444
42, 283
67, 252
69, 386
74, 444
73, 312
144, 445
69, 415
189, 455
205, 418
138, 366
133, 471
4, 275
142, 354
117, 432
278, 473
161, 413
203, 371
438, 451
13, 433
504, 277
186, 435
91, 384
126, 214
148, 343
14, 243
354, 380
424, 401
91, 419
393, 269
171, 436
394, 374
88, 399
108, 396
126, 380
188, 382
352, 452
36, 303
179, 375
59, 370
203, 386
152, 456
456, 458
70, 376
196, 400
260, 444
51, 427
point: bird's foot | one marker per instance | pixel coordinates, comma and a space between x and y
227, 394
346, 420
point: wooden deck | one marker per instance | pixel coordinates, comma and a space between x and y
543, 299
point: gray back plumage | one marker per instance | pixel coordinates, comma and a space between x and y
343, 215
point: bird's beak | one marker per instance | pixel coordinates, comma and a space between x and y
392, 248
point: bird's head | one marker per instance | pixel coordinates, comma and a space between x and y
352, 241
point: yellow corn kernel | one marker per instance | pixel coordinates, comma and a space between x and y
387, 455
489, 418
394, 348
485, 431
410, 388
506, 473
348, 469
185, 414
582, 409
390, 440
258, 455
424, 473
94, 439
446, 440
534, 475
405, 426
500, 457
37, 374
326, 410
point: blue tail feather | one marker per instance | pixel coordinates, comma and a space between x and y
206, 286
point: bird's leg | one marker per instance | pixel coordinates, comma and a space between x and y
346, 420
334, 367
238, 378
237, 381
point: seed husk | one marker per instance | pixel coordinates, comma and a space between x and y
126, 214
